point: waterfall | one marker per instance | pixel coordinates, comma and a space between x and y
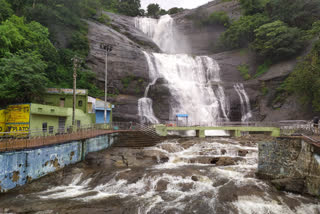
189, 79
145, 111
161, 31
245, 102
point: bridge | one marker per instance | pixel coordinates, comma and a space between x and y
237, 129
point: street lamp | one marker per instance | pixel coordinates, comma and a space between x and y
108, 49
76, 60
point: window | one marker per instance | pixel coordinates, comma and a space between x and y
51, 128
80, 103
44, 127
78, 123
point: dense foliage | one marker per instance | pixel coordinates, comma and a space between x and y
241, 32
305, 80
153, 10
52, 33
22, 77
274, 27
277, 41
278, 30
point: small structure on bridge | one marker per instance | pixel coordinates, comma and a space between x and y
182, 116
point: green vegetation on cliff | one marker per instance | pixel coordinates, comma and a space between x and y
278, 30
48, 34
305, 80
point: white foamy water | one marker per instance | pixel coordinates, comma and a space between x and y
162, 32
189, 81
245, 102
188, 181
145, 111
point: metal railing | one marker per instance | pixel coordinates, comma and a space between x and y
36, 138
10, 141
287, 127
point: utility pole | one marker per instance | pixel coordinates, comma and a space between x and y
75, 66
108, 49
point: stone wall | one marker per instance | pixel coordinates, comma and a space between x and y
292, 164
21, 167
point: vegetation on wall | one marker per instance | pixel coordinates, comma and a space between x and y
305, 80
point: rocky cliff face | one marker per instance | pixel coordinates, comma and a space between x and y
127, 68
128, 73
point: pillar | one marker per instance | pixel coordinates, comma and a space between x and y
200, 133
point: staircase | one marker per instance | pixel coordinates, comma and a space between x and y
136, 136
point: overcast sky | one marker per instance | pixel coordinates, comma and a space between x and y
167, 4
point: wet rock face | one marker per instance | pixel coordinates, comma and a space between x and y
128, 73
202, 38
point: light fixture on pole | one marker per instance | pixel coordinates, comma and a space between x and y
108, 48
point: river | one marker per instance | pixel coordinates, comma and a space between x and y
213, 175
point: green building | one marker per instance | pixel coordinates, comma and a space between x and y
54, 115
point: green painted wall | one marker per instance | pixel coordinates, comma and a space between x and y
40, 114
54, 100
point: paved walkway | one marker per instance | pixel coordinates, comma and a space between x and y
21, 144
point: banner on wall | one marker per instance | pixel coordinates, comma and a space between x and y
2, 121
18, 113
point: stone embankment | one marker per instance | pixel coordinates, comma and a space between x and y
292, 164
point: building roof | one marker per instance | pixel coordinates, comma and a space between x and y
67, 91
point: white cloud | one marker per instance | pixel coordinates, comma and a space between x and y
167, 4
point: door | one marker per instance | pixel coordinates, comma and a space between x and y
62, 100
62, 124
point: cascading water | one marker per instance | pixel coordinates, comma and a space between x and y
189, 84
245, 102
189, 78
176, 176
161, 31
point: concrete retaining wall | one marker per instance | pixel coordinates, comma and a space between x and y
19, 168
292, 164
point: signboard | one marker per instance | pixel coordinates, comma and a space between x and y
18, 113
66, 91
18, 130
2, 121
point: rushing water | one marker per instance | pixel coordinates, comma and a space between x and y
161, 31
175, 176
190, 79
245, 102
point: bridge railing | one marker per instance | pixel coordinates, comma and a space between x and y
10, 141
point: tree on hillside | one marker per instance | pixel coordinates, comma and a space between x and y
277, 41
163, 12
241, 32
5, 10
305, 80
129, 7
22, 78
175, 10
296, 13
251, 7
153, 10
